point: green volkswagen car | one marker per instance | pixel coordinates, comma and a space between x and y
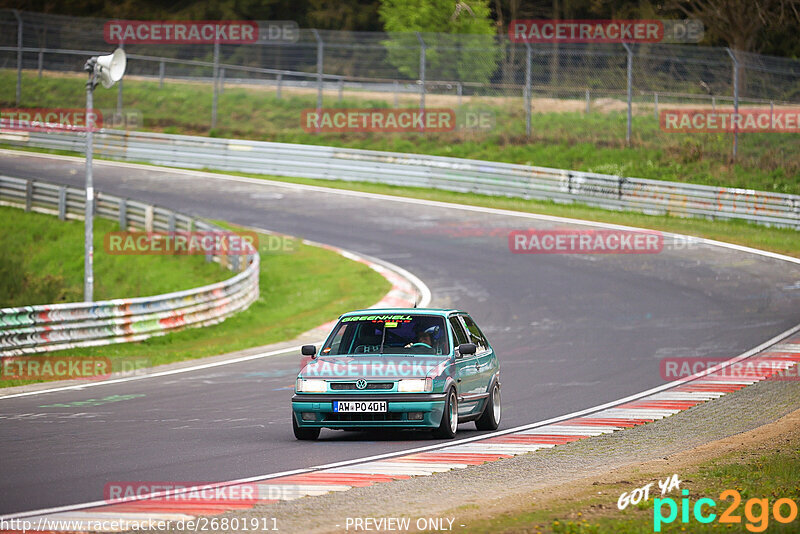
398, 368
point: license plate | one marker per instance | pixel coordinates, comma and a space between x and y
359, 406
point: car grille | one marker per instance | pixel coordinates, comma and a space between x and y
356, 416
338, 386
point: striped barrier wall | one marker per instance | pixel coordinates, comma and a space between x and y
437, 172
45, 328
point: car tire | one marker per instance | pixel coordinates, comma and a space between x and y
305, 434
490, 418
447, 428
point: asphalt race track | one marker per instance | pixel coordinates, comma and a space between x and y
571, 331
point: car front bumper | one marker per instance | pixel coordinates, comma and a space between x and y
428, 406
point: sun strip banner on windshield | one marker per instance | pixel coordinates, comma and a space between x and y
379, 318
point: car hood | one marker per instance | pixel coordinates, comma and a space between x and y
372, 367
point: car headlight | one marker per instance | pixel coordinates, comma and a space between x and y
311, 386
415, 385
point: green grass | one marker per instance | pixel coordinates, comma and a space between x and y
299, 289
770, 476
42, 263
572, 140
781, 240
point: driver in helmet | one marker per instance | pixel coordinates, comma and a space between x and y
425, 338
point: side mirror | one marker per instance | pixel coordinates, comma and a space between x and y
467, 348
309, 350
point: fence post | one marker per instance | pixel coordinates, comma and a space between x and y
222, 81
123, 214
735, 100
630, 92
655, 105
119, 98
422, 52
62, 203
19, 56
40, 63
28, 195
214, 82
528, 89
119, 90
460, 90
320, 58
149, 215
588, 99
88, 204
161, 69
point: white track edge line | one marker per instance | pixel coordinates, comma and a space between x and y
423, 289
363, 194
557, 419
448, 205
155, 374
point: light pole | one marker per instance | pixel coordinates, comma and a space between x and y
106, 70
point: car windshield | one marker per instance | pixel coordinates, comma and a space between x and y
388, 334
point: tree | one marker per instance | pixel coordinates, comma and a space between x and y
740, 23
346, 15
459, 38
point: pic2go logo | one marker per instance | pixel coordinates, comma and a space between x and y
643, 493
756, 511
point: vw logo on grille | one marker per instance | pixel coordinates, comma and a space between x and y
361, 383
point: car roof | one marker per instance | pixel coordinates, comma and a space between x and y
444, 312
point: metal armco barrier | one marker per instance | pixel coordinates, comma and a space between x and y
32, 329
452, 174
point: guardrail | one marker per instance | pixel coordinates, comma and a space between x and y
33, 329
452, 174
